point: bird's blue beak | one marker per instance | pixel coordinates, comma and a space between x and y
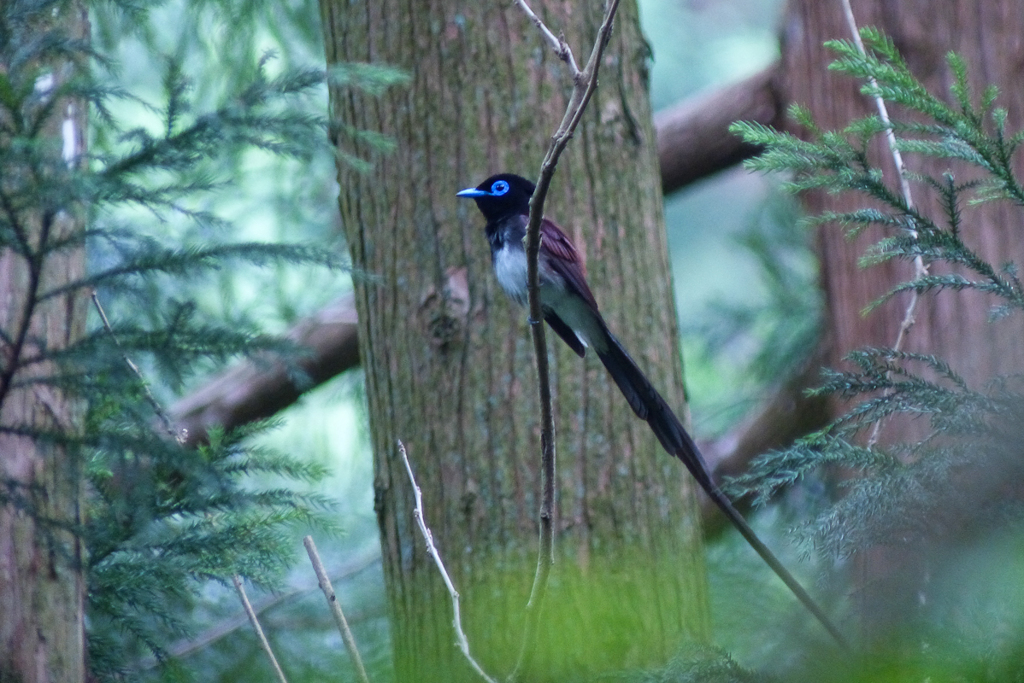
473, 193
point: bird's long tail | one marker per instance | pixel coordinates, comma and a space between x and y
648, 404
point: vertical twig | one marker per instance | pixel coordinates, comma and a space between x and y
585, 82
417, 513
264, 643
920, 268
335, 605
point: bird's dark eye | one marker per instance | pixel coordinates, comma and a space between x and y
499, 188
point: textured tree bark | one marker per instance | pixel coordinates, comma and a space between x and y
41, 555
990, 35
448, 359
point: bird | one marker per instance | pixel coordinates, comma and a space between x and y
570, 309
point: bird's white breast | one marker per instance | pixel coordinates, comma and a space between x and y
510, 269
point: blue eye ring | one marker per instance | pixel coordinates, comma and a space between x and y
499, 188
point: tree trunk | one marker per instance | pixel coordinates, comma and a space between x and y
41, 555
448, 360
990, 35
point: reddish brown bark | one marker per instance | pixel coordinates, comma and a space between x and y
955, 327
990, 35
42, 585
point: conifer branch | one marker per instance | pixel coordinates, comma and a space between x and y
252, 390
907, 487
158, 520
920, 268
34, 264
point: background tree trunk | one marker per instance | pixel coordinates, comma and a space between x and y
41, 555
448, 360
990, 35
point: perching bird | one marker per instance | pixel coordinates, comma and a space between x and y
571, 311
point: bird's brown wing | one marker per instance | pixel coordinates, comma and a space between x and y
566, 261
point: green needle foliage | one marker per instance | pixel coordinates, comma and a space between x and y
949, 487
162, 519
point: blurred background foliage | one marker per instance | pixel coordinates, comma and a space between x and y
744, 278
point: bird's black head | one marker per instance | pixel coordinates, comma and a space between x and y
501, 195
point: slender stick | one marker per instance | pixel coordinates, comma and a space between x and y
335, 605
177, 435
920, 267
585, 83
223, 628
558, 43
417, 513
254, 620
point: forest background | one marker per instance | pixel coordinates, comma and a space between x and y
746, 290
695, 46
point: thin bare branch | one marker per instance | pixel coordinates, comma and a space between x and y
185, 647
883, 113
178, 435
557, 43
583, 89
920, 267
254, 620
335, 605
417, 513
